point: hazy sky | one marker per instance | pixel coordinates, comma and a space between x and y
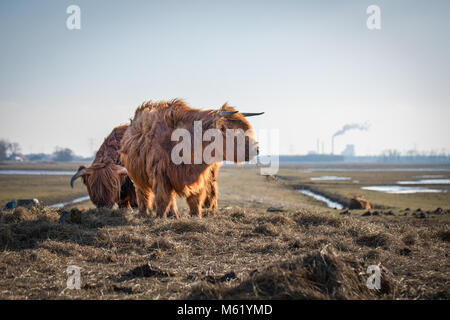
312, 66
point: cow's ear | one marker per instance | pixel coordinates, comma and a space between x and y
226, 107
227, 113
226, 110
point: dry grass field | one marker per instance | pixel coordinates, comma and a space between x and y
266, 241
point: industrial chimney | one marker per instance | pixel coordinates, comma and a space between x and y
332, 145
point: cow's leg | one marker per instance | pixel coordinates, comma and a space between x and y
132, 197
165, 201
195, 203
144, 199
165, 206
212, 188
207, 203
211, 197
151, 201
127, 197
124, 203
173, 210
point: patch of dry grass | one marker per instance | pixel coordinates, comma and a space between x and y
230, 254
319, 275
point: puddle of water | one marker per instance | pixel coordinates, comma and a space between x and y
429, 176
375, 169
38, 172
330, 178
62, 204
426, 181
402, 190
330, 203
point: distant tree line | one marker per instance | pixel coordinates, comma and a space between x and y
11, 151
388, 156
63, 154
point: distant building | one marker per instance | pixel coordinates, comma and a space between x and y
18, 157
349, 151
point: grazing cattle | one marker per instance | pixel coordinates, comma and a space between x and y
359, 203
106, 179
147, 149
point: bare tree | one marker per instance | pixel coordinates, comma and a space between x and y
7, 148
14, 147
4, 148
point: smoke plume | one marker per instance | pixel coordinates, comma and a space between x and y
347, 127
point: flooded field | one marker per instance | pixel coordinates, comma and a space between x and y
376, 169
396, 186
402, 190
426, 181
74, 201
384, 186
330, 178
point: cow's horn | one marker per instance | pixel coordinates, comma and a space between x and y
251, 114
77, 175
227, 113
123, 170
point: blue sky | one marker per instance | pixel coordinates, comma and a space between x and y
312, 66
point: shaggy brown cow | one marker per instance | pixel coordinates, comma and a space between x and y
106, 179
359, 203
147, 146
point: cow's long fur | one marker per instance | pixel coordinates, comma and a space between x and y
106, 185
146, 153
